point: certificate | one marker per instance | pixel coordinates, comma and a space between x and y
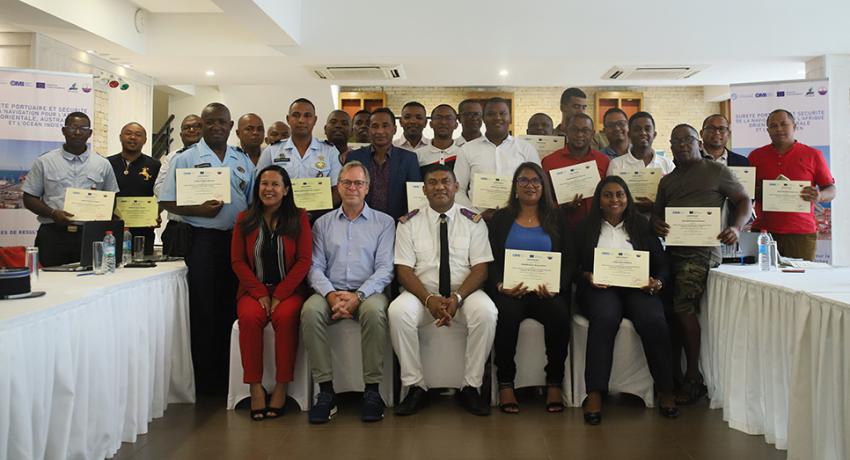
621, 267
137, 211
580, 179
490, 192
746, 175
199, 185
643, 182
532, 268
88, 205
784, 196
415, 197
312, 193
544, 144
693, 226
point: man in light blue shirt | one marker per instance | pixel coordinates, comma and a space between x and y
212, 284
352, 265
71, 166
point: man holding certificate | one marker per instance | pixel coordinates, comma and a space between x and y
795, 232
212, 284
441, 257
701, 185
71, 166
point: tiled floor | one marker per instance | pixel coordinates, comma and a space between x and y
443, 431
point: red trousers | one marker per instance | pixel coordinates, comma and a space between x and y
252, 321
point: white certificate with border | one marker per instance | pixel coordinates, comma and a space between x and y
88, 205
643, 182
313, 193
532, 268
580, 179
621, 267
544, 145
415, 196
490, 191
137, 211
746, 175
784, 196
199, 185
693, 226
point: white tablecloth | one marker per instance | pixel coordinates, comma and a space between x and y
88, 365
775, 356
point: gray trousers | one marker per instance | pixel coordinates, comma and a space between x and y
372, 315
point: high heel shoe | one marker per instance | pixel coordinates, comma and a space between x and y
258, 415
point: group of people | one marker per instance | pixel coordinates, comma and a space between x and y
261, 259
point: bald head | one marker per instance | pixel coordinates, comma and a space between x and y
277, 131
540, 124
250, 130
338, 128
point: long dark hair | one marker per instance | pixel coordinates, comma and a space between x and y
632, 220
287, 215
547, 208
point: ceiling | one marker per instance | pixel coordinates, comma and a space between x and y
447, 43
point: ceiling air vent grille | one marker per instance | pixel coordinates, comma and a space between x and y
360, 72
652, 72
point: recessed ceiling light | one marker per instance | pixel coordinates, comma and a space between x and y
503, 73
210, 73
126, 66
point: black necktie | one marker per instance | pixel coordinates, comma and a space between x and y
445, 276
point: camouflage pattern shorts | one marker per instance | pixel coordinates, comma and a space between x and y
690, 276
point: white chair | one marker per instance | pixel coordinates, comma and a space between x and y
629, 371
443, 352
298, 389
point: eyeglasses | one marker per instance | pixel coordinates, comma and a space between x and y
716, 129
356, 183
526, 182
77, 129
682, 141
617, 124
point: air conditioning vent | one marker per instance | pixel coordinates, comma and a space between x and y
652, 72
360, 72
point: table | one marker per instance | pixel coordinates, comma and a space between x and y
87, 366
775, 356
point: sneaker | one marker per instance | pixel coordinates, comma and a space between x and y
324, 409
373, 407
415, 400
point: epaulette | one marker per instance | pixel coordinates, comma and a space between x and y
238, 148
328, 142
471, 215
182, 150
408, 216
277, 141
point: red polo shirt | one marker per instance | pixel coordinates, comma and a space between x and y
560, 159
800, 163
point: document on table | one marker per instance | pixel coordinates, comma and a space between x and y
88, 205
199, 185
415, 197
490, 191
532, 268
621, 267
784, 196
312, 193
693, 226
643, 182
569, 181
137, 211
545, 145
746, 175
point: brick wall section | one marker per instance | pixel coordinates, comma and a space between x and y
669, 105
101, 122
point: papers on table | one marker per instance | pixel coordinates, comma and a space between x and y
415, 197
643, 182
693, 226
88, 205
746, 175
490, 191
545, 145
621, 267
532, 268
199, 185
784, 196
312, 193
137, 211
569, 181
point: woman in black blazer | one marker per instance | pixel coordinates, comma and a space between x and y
614, 223
531, 221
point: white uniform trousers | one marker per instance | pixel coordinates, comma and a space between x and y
407, 314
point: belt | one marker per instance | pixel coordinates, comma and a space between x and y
209, 230
70, 228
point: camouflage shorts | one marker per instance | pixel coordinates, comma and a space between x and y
690, 275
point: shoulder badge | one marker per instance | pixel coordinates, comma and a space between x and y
327, 142
238, 148
408, 216
277, 141
469, 214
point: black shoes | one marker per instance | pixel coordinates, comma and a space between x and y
416, 399
593, 418
473, 402
373, 407
668, 412
324, 409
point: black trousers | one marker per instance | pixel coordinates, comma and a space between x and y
553, 314
605, 309
212, 306
58, 244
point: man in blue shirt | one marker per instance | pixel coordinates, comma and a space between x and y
352, 265
212, 284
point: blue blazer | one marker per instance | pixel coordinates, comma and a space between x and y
404, 167
734, 159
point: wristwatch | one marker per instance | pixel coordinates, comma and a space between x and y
360, 296
458, 297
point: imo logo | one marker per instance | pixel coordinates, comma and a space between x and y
760, 95
17, 83
810, 92
822, 90
73, 87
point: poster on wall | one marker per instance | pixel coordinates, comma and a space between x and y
808, 101
33, 106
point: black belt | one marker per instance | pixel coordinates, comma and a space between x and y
209, 230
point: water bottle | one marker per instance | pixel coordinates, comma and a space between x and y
764, 251
127, 247
109, 252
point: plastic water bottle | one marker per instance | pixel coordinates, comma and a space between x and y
127, 247
764, 251
109, 253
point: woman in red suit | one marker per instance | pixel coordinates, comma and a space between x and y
271, 253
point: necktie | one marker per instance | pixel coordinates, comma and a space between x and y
445, 276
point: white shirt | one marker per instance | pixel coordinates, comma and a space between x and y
628, 162
417, 246
429, 154
402, 142
480, 156
722, 159
613, 237
160, 180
